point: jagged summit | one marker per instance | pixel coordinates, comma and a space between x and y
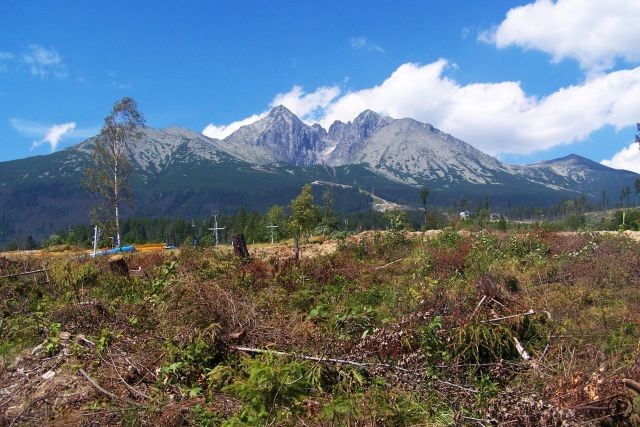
279, 137
281, 110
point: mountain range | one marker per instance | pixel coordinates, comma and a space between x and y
374, 160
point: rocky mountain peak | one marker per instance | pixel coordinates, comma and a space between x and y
362, 126
280, 137
350, 138
367, 116
280, 111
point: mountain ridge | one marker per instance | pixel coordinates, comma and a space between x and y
180, 172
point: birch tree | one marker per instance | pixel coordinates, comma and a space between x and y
108, 177
304, 216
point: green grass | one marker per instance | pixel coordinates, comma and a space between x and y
414, 315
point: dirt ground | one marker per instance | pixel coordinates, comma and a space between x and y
47, 383
283, 250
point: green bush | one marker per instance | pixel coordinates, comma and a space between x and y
273, 389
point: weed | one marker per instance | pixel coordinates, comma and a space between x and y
202, 417
52, 343
433, 339
273, 389
74, 276
191, 357
481, 343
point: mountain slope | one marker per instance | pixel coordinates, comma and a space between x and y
279, 137
347, 140
177, 172
409, 152
414, 153
578, 174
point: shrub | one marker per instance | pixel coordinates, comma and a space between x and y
273, 389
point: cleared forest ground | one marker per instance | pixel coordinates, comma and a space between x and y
383, 328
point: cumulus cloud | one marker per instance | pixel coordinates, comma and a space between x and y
628, 158
498, 118
43, 62
222, 131
50, 134
596, 33
362, 42
308, 106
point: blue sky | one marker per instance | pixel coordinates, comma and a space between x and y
521, 80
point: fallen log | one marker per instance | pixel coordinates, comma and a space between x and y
500, 319
26, 273
103, 391
313, 358
362, 365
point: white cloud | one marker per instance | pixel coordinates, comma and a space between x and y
362, 42
42, 62
306, 105
222, 131
596, 33
498, 118
54, 134
50, 134
628, 158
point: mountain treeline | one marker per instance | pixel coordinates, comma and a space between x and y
569, 214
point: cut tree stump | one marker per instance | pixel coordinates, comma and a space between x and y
118, 265
239, 245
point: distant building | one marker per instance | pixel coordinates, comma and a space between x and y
465, 214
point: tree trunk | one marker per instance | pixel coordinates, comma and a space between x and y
116, 201
239, 245
118, 266
296, 247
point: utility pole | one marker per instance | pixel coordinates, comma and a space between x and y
216, 228
272, 228
95, 240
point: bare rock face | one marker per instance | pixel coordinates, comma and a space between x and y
280, 137
290, 139
350, 138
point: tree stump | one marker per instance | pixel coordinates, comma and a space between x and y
118, 266
239, 245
